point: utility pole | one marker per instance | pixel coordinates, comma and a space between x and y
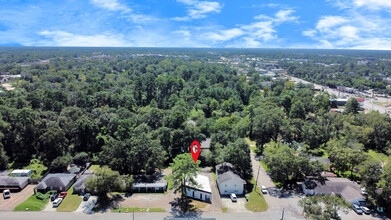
256, 182
283, 210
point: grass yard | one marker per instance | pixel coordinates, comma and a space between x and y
94, 167
156, 210
264, 166
169, 182
130, 209
32, 203
224, 209
195, 205
256, 201
250, 142
37, 167
70, 203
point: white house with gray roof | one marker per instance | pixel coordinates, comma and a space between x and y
227, 181
13, 183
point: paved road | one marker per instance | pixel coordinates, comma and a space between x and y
272, 215
276, 205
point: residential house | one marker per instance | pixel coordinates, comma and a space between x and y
56, 181
342, 187
203, 191
227, 181
21, 173
79, 187
13, 183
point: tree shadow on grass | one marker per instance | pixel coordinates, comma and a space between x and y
184, 209
105, 204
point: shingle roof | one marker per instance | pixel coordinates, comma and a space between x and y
12, 181
55, 180
80, 182
341, 186
229, 175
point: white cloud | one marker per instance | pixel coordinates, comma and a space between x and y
199, 9
285, 16
225, 35
327, 22
354, 27
112, 5
62, 38
373, 4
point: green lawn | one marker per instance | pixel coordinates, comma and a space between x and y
70, 203
32, 203
38, 169
264, 166
169, 182
129, 209
94, 167
156, 210
256, 201
250, 142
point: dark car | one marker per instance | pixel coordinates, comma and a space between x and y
86, 197
53, 197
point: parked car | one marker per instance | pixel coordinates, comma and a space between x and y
366, 210
264, 189
379, 209
6, 194
357, 209
86, 197
62, 195
363, 191
57, 202
233, 197
53, 197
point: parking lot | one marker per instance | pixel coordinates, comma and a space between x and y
16, 198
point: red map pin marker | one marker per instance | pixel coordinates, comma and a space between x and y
195, 154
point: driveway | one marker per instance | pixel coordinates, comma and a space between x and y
238, 206
16, 198
87, 206
49, 207
215, 203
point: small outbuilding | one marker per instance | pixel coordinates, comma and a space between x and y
149, 183
21, 173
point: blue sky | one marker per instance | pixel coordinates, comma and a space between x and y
355, 24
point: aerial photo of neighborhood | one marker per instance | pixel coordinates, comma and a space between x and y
195, 109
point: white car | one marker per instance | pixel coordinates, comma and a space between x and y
264, 189
233, 197
57, 202
365, 210
6, 194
